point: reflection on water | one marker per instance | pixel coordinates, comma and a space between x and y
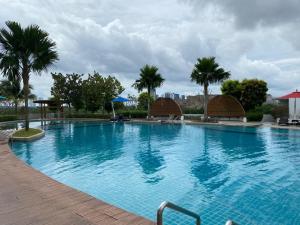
103, 142
148, 155
247, 142
205, 168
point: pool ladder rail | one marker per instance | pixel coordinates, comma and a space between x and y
177, 208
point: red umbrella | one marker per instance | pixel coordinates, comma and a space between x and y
295, 94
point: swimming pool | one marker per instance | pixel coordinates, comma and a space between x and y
250, 175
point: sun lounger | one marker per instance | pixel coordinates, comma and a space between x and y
283, 121
119, 118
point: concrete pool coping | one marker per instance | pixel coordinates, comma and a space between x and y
191, 122
29, 197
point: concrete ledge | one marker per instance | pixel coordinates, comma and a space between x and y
30, 138
29, 197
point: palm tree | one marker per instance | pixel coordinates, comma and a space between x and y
149, 79
205, 72
25, 50
11, 88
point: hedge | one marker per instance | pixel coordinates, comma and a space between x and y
133, 113
193, 111
4, 118
125, 113
254, 116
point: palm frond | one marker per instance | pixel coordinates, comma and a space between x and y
207, 71
149, 78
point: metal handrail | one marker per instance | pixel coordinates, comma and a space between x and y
176, 208
230, 222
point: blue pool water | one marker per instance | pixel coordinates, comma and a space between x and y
250, 175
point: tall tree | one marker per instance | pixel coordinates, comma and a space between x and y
25, 50
233, 88
143, 100
149, 79
12, 90
58, 89
68, 88
98, 90
206, 72
74, 90
250, 92
254, 93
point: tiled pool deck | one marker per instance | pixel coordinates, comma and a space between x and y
29, 197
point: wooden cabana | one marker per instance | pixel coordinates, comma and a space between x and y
50, 104
165, 107
225, 106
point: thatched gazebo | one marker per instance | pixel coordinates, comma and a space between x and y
225, 106
163, 107
52, 105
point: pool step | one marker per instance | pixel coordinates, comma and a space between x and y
165, 204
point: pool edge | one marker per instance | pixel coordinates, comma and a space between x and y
24, 190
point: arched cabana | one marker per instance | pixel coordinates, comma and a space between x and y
225, 106
165, 107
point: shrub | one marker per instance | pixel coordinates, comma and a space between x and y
11, 111
193, 111
133, 113
280, 111
4, 118
254, 116
265, 109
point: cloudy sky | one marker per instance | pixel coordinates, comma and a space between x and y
252, 39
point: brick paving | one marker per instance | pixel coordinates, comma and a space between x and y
28, 197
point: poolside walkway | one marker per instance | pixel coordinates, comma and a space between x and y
29, 197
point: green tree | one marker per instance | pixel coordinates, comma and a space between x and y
74, 89
206, 72
93, 92
11, 89
149, 79
143, 100
25, 50
233, 88
68, 88
58, 89
254, 93
112, 88
98, 91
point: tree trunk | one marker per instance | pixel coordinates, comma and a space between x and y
148, 103
205, 102
26, 92
16, 107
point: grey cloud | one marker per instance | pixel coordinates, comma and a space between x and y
118, 37
250, 13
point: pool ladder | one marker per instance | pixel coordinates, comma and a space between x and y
181, 210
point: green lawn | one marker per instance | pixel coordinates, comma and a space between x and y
29, 133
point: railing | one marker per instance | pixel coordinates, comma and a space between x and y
181, 210
176, 208
230, 222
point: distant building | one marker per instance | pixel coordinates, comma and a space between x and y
167, 95
176, 96
173, 96
271, 100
